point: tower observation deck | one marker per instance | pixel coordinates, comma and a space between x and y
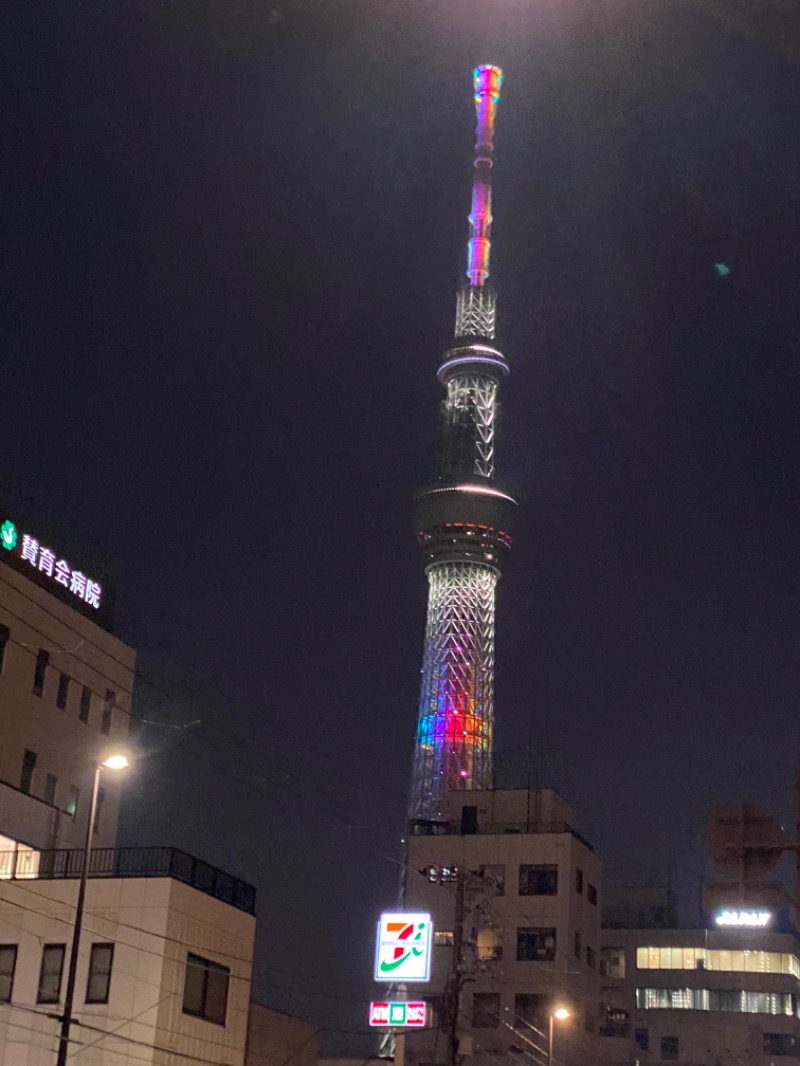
463, 521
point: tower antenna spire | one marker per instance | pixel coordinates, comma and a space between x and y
463, 522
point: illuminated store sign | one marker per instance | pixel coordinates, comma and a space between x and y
750, 919
46, 562
400, 1014
403, 947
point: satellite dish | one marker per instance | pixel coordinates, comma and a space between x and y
744, 841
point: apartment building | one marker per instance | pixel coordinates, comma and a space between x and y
531, 927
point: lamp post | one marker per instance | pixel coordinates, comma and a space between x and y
116, 760
562, 1014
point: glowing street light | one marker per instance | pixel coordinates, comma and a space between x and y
562, 1014
112, 759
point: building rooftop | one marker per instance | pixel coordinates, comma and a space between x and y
133, 862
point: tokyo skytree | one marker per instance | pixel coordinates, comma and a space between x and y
463, 521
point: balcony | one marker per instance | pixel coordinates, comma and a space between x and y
131, 862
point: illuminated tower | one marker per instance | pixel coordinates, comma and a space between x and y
463, 521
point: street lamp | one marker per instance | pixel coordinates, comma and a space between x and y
562, 1014
115, 759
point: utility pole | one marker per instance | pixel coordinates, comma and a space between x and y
456, 982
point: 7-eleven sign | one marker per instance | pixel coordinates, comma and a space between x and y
403, 947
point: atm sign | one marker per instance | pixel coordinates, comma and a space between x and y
400, 1013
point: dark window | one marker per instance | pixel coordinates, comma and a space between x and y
774, 1043
99, 973
485, 1010
642, 1038
615, 1022
469, 820
63, 691
108, 711
86, 705
578, 946
8, 963
579, 882
26, 775
612, 962
591, 958
591, 894
669, 1048
50, 973
205, 994
495, 878
5, 636
39, 671
536, 945
538, 880
101, 798
50, 789
72, 805
531, 1009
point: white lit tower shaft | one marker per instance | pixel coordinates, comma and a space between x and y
463, 522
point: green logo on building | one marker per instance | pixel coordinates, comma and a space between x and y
8, 535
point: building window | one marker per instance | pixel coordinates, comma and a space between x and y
495, 878
205, 994
536, 945
63, 692
5, 636
612, 962
538, 880
50, 789
642, 1038
39, 671
26, 774
99, 980
485, 1010
443, 938
101, 798
578, 946
488, 945
591, 894
531, 1009
86, 705
669, 1048
591, 958
615, 1021
579, 882
722, 961
72, 805
776, 1044
108, 711
8, 963
50, 973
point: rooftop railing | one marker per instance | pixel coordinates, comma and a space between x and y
130, 862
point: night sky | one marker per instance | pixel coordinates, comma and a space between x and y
232, 234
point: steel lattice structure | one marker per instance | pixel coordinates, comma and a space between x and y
463, 522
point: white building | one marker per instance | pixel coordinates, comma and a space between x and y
531, 927
725, 995
66, 685
164, 969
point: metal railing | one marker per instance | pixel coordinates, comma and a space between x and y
135, 862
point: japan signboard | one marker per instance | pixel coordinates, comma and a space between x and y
403, 947
401, 1014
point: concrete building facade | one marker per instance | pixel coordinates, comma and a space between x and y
701, 997
164, 970
531, 907
66, 686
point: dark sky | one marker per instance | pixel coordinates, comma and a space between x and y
232, 232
